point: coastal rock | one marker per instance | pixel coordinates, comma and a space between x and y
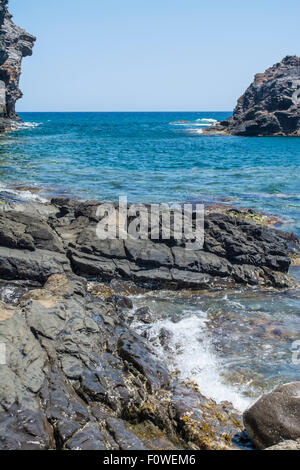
236, 249
38, 240
144, 315
275, 417
15, 43
202, 422
270, 106
76, 377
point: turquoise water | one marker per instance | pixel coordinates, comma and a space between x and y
153, 157
234, 344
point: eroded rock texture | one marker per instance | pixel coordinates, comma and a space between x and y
39, 240
15, 43
271, 104
77, 377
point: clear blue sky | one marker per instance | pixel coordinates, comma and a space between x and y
140, 55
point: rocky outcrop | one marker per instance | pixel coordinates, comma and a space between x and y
275, 417
39, 240
270, 106
75, 374
77, 377
15, 43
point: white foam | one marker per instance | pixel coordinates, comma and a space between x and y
212, 121
26, 125
196, 131
203, 122
193, 356
22, 194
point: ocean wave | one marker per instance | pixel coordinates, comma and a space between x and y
202, 122
26, 125
212, 121
22, 194
191, 353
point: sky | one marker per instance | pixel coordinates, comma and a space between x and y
150, 55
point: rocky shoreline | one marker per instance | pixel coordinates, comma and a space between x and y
61, 238
76, 375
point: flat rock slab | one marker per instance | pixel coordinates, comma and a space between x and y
37, 241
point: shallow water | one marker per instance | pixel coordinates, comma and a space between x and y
235, 344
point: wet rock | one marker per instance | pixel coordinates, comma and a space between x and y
25, 430
11, 292
202, 422
88, 438
120, 301
165, 337
76, 377
138, 353
275, 417
37, 241
125, 439
143, 315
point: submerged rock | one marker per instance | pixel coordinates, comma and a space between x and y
275, 417
270, 106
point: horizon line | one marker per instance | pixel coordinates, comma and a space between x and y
164, 111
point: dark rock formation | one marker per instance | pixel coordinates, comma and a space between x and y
270, 106
275, 417
77, 377
15, 43
39, 240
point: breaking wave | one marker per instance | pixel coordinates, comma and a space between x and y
8, 193
26, 125
190, 352
203, 122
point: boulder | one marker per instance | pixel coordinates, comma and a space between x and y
275, 417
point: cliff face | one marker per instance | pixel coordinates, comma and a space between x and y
15, 43
271, 104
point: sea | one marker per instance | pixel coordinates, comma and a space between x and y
234, 344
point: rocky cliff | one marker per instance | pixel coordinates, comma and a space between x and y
15, 43
271, 104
